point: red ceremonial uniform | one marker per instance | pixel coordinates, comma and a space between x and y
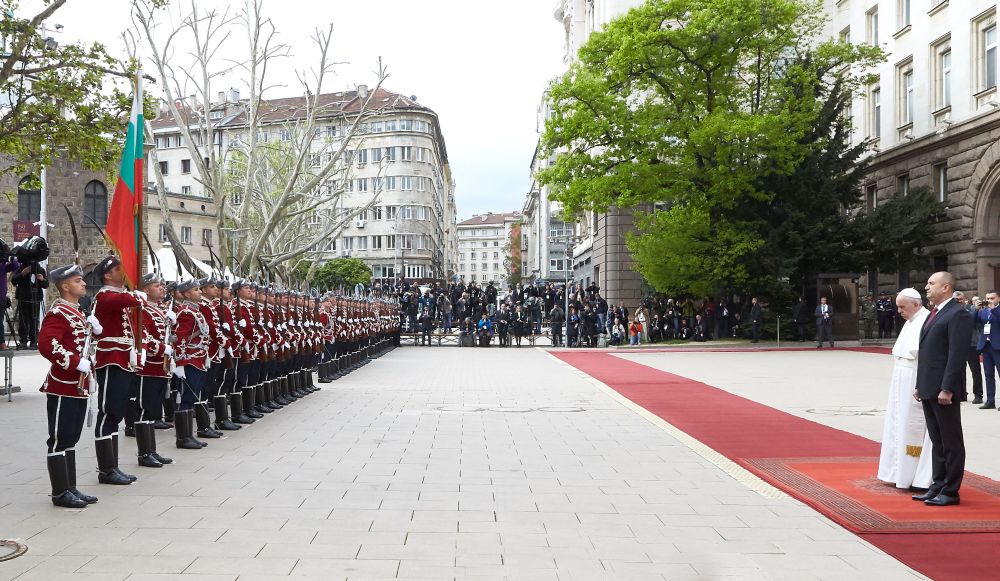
192, 337
113, 308
60, 340
216, 339
154, 326
248, 330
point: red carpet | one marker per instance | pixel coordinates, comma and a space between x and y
828, 469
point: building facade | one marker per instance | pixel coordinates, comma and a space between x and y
932, 118
489, 247
599, 251
398, 167
545, 236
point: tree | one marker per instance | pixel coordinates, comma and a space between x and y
343, 272
282, 195
898, 229
690, 106
60, 100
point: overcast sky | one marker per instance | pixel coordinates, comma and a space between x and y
482, 66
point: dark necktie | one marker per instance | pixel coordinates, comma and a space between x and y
927, 323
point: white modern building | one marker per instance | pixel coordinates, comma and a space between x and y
545, 236
932, 119
398, 155
599, 251
489, 246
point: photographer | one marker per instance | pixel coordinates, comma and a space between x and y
8, 264
28, 282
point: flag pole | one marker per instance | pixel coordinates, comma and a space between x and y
140, 196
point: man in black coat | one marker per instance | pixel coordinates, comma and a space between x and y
824, 323
28, 284
756, 319
944, 341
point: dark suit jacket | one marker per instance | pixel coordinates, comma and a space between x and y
944, 346
993, 316
819, 315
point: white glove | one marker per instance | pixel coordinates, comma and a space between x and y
179, 372
168, 351
140, 294
230, 350
142, 358
270, 325
172, 316
227, 327
83, 366
243, 323
95, 325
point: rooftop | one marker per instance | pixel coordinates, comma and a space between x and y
490, 218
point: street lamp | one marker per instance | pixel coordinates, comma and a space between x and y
571, 241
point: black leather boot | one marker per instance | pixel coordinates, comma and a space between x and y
182, 427
204, 421
258, 399
286, 387
71, 473
222, 421
271, 394
281, 387
236, 408
247, 394
151, 431
106, 470
142, 438
114, 445
59, 478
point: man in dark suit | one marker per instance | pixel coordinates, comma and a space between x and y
824, 323
756, 318
988, 345
944, 341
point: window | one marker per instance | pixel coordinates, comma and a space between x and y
391, 212
902, 185
556, 264
29, 202
942, 75
472, 267
419, 239
390, 125
390, 242
284, 135
420, 183
363, 215
331, 131
177, 140
164, 168
315, 159
485, 266
495, 243
185, 166
206, 236
989, 73
361, 243
376, 127
941, 181
871, 23
376, 212
405, 183
390, 183
496, 266
362, 156
186, 190
875, 113
903, 11
406, 153
163, 233
905, 87
485, 278
485, 244
483, 255
376, 154
362, 185
390, 154
496, 255
844, 36
423, 212
421, 154
406, 212
871, 197
406, 241
95, 201
376, 243
461, 256
185, 235
406, 124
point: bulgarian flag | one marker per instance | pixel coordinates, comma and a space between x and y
124, 229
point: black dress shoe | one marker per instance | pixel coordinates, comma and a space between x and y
112, 477
68, 500
149, 461
188, 443
130, 431
162, 425
209, 433
162, 459
987, 406
931, 493
124, 475
84, 497
942, 500
979, 399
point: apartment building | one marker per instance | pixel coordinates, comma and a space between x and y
489, 247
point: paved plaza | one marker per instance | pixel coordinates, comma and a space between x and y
450, 463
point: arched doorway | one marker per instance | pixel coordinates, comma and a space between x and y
986, 229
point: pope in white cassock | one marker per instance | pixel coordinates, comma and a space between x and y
906, 448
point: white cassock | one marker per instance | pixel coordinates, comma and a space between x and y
906, 448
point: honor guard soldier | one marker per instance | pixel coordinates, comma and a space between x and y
192, 368
61, 341
155, 372
115, 310
211, 308
251, 342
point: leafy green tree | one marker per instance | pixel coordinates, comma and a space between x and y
345, 272
898, 229
692, 105
60, 99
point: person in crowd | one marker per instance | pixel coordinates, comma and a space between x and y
28, 283
686, 332
502, 325
722, 320
521, 324
656, 329
573, 328
800, 316
698, 331
905, 458
485, 330
468, 334
617, 332
8, 264
824, 323
445, 307
426, 325
736, 330
756, 319
868, 315
885, 315
588, 324
989, 344
556, 320
634, 332
972, 355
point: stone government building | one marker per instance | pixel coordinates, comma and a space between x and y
933, 119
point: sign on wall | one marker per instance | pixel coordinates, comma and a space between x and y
24, 229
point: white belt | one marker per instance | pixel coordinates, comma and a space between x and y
904, 362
